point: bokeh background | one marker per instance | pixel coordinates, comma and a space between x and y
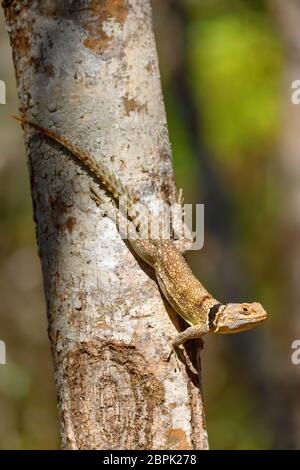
227, 69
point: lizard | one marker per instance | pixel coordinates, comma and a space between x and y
184, 292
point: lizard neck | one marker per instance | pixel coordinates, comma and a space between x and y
213, 316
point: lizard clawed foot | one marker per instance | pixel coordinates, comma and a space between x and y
176, 351
181, 355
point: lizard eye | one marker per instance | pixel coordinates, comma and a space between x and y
245, 309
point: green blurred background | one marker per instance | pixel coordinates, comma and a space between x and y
224, 70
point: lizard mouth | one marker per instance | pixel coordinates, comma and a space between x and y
252, 323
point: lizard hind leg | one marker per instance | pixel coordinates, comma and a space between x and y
144, 248
183, 245
183, 238
125, 227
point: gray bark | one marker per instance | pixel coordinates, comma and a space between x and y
89, 71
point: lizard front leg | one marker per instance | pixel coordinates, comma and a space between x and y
192, 332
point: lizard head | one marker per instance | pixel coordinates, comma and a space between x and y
231, 318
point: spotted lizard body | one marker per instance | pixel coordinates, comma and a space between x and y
181, 288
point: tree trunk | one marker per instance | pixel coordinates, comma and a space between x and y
89, 71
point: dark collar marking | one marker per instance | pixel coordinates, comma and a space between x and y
212, 314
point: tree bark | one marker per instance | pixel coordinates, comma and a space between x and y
89, 71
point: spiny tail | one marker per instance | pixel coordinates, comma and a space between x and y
99, 169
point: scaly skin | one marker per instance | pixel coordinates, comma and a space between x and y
182, 289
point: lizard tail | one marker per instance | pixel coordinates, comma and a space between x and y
99, 169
